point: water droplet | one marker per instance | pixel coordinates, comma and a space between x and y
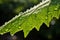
49, 12
19, 27
6, 23
56, 9
6, 30
46, 17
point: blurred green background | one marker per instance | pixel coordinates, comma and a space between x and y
10, 8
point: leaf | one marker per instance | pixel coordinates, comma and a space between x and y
33, 18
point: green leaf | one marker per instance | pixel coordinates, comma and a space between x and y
33, 18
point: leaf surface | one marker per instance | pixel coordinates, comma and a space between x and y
33, 18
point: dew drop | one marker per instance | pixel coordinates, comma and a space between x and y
19, 27
56, 9
6, 30
46, 17
49, 12
6, 23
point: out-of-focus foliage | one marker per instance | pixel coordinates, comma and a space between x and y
19, 5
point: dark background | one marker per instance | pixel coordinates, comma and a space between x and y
9, 8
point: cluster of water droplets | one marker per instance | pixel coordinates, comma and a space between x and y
28, 12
